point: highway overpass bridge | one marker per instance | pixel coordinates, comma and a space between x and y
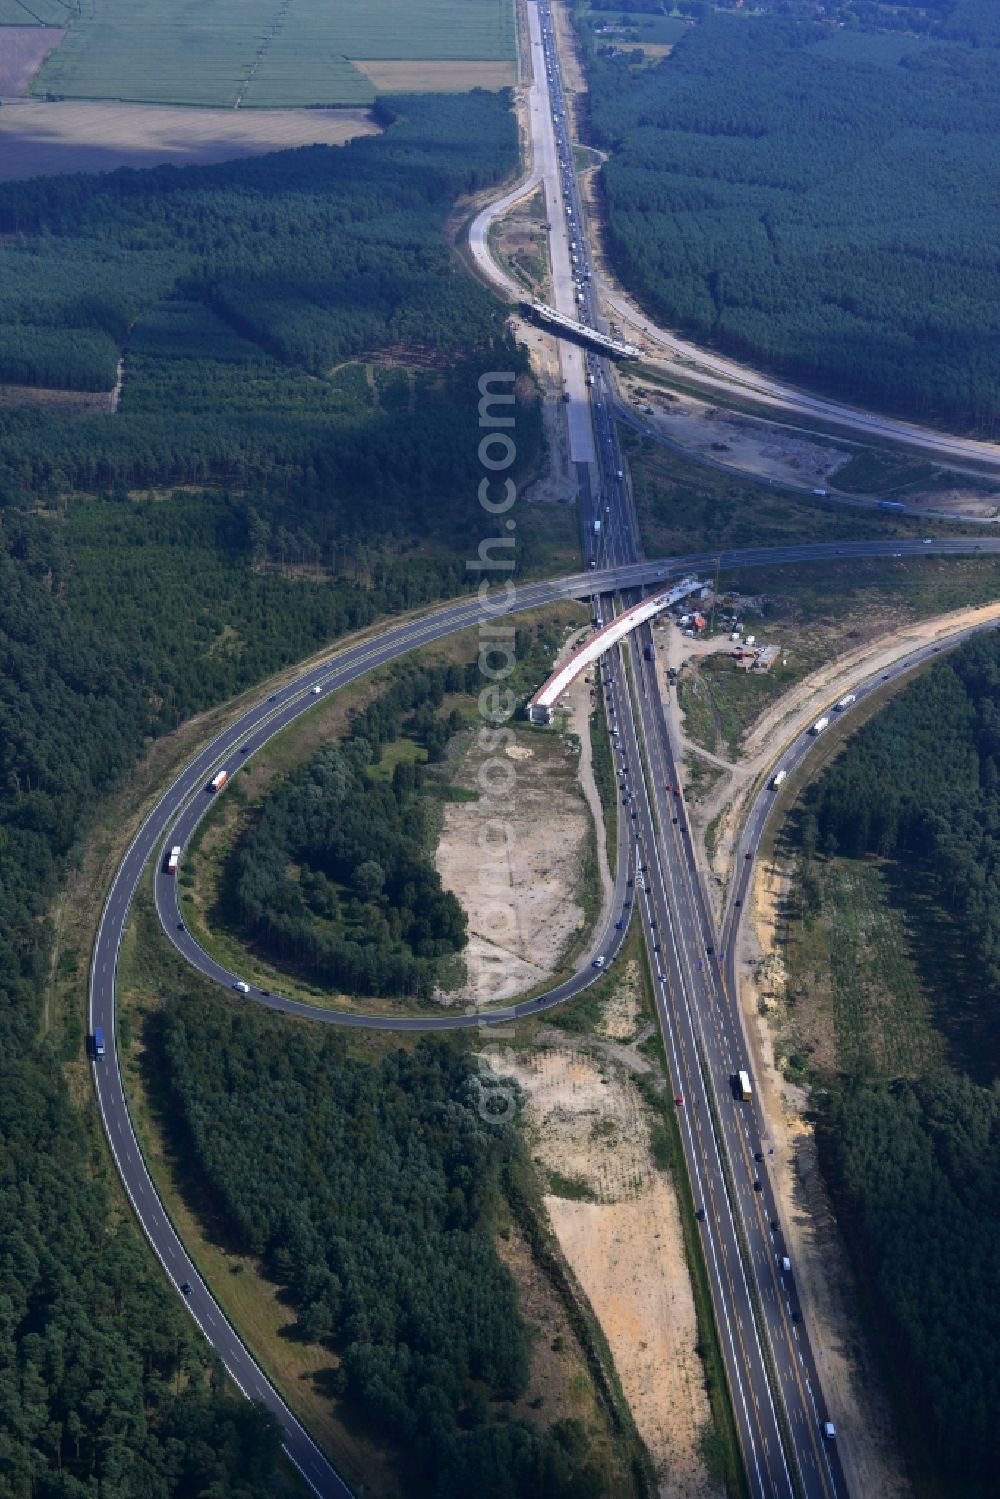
541, 705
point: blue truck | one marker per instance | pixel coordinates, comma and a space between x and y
98, 1043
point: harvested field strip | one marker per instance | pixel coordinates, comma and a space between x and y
40, 138
22, 51
427, 77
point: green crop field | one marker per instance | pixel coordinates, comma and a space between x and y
263, 53
36, 12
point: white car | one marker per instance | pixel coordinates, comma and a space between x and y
317, 690
599, 962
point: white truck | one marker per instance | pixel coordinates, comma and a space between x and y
819, 726
845, 702
597, 528
777, 779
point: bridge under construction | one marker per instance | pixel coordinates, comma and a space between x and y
541, 705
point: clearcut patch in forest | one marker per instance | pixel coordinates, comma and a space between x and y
264, 53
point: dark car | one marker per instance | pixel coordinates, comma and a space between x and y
758, 1186
700, 1215
187, 1288
180, 926
758, 1155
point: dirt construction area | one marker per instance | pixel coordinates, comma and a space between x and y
791, 713
43, 138
773, 450
588, 1126
517, 859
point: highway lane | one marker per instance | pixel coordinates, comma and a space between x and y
671, 966
759, 1411
720, 1045
771, 1378
729, 1011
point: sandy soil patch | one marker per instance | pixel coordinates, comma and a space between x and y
622, 1013
621, 1255
587, 1121
436, 77
769, 449
23, 49
567, 44
521, 888
39, 138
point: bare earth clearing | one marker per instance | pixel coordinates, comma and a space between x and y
776, 450
23, 49
436, 77
587, 1122
38, 138
521, 891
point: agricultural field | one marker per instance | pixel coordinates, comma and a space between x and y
31, 13
40, 138
23, 49
265, 53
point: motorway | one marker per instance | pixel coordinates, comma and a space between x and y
776, 1398
186, 798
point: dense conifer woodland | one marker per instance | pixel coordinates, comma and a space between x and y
247, 503
336, 878
813, 189
916, 1161
374, 1192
